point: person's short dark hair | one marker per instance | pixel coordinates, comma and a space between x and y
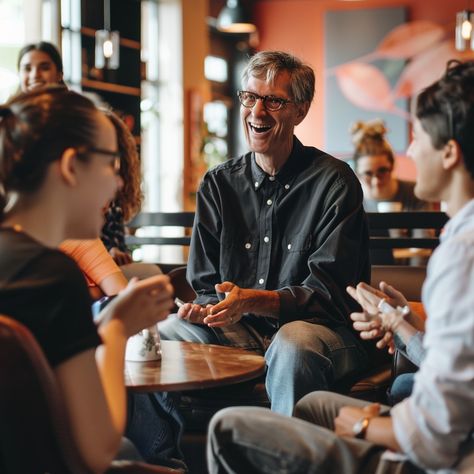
446, 110
45, 47
266, 65
35, 129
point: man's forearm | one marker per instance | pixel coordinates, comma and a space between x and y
261, 302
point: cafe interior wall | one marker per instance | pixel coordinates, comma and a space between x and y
298, 26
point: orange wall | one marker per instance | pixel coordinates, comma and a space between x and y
298, 26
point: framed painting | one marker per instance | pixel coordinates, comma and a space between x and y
360, 79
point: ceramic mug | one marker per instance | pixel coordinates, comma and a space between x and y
144, 346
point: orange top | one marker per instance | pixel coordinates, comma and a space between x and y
92, 258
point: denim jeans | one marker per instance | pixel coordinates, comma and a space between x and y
301, 357
155, 427
401, 388
304, 357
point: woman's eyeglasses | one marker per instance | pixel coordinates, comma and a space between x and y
100, 151
379, 173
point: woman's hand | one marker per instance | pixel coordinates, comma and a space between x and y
141, 304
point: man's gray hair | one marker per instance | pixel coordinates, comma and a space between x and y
266, 65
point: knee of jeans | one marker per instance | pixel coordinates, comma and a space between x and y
167, 328
293, 334
294, 340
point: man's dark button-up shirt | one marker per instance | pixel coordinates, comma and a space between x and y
302, 233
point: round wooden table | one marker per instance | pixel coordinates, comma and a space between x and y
190, 366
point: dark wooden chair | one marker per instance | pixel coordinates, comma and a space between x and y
405, 220
181, 221
160, 219
34, 431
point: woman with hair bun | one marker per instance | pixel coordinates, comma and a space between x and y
58, 169
374, 164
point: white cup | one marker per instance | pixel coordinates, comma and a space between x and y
389, 206
144, 346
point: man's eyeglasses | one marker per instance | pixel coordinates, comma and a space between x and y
270, 102
379, 173
100, 151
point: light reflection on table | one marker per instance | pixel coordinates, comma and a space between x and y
189, 366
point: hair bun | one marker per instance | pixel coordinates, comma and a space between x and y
373, 128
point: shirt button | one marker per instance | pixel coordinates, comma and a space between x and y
261, 281
266, 239
269, 202
287, 186
256, 184
248, 245
289, 246
272, 178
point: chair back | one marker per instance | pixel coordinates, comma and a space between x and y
160, 219
383, 221
33, 427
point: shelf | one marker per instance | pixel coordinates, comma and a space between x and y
111, 87
128, 43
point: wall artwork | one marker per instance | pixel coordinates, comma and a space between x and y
375, 62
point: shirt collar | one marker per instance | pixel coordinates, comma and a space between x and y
461, 221
287, 172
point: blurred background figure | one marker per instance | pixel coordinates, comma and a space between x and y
39, 65
374, 163
128, 201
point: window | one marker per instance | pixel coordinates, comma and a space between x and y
215, 69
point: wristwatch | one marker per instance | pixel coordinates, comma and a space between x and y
360, 427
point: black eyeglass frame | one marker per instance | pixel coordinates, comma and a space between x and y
83, 150
379, 173
264, 98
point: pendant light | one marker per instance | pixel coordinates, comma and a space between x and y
234, 19
107, 44
464, 39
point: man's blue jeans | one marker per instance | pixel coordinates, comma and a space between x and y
401, 388
302, 357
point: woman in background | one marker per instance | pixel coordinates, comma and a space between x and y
374, 162
40, 64
128, 200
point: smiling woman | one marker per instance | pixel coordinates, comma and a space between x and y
39, 64
53, 186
